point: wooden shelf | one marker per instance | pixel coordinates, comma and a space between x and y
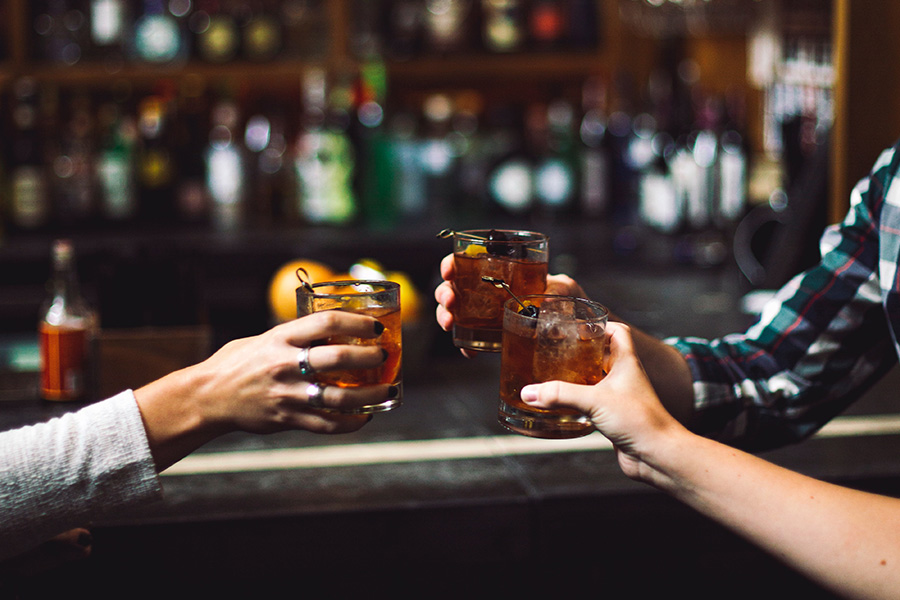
533, 66
274, 73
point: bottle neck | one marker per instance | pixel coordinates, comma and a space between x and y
66, 306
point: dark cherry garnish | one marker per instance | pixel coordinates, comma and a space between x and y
498, 245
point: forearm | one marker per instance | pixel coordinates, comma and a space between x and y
69, 470
173, 419
842, 538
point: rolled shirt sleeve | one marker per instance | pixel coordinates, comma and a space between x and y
819, 344
70, 470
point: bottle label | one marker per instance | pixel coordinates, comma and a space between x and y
64, 362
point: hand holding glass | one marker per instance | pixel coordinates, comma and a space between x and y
518, 258
563, 340
379, 299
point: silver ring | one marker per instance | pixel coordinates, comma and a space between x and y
315, 395
303, 362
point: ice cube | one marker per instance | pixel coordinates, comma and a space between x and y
557, 334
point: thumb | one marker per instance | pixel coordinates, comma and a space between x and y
559, 394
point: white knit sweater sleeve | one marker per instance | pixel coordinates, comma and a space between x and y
70, 470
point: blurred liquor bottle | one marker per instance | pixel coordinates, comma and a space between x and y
504, 25
439, 156
67, 333
109, 31
594, 165
263, 35
159, 36
190, 137
548, 24
116, 164
448, 25
323, 159
220, 40
556, 167
155, 163
510, 178
733, 165
376, 162
73, 162
265, 139
226, 167
29, 195
472, 146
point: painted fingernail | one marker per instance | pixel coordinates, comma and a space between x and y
384, 355
393, 391
379, 327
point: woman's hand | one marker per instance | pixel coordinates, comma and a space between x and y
69, 546
446, 295
623, 406
255, 385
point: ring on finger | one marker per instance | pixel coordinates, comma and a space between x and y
303, 362
315, 395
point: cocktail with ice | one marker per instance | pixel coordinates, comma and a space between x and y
564, 339
517, 257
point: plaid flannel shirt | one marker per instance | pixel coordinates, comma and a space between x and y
821, 342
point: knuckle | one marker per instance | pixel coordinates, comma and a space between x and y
549, 392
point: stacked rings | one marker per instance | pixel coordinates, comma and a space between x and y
303, 362
315, 395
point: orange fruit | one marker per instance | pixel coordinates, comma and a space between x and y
410, 299
284, 283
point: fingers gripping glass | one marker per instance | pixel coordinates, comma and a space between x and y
518, 258
560, 338
379, 299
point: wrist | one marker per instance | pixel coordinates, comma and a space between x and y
174, 416
662, 459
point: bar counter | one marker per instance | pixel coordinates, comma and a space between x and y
437, 498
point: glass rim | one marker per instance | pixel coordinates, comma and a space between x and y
535, 236
385, 285
603, 311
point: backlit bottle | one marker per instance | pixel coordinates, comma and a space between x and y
67, 333
29, 196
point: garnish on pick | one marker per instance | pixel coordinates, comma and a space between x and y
527, 310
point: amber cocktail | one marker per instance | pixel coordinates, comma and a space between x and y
565, 341
518, 258
379, 299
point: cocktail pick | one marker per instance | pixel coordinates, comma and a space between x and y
529, 310
304, 282
445, 233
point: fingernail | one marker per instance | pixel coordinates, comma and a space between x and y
529, 394
370, 417
393, 391
85, 539
384, 355
379, 327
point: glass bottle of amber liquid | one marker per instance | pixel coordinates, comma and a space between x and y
67, 333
